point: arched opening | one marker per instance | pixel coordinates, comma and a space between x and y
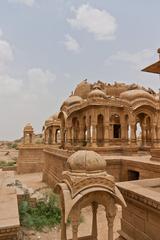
58, 136
143, 130
139, 134
116, 126
100, 130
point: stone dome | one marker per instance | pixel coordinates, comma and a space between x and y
72, 100
28, 127
82, 89
55, 116
97, 93
86, 161
49, 121
136, 93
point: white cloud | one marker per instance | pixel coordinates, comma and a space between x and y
71, 44
39, 80
137, 59
28, 3
9, 86
99, 22
6, 54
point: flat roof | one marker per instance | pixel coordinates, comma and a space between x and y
154, 68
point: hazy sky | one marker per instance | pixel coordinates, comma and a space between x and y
48, 46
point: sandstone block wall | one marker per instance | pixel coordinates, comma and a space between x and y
30, 159
54, 165
141, 217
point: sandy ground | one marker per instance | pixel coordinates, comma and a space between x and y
7, 154
33, 181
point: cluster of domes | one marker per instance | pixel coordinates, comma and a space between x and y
87, 91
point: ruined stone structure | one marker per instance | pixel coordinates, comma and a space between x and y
85, 183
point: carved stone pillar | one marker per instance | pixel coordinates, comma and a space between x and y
106, 134
144, 134
94, 220
110, 227
81, 138
74, 219
110, 215
69, 135
133, 135
62, 137
63, 229
53, 135
88, 135
154, 136
94, 136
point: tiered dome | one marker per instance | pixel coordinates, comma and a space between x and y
86, 161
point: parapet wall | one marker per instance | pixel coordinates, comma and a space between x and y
30, 158
141, 217
54, 165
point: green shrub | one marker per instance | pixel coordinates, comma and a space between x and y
4, 164
14, 145
45, 214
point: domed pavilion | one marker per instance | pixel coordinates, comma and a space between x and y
110, 117
86, 183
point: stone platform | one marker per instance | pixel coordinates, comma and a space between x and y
141, 218
9, 217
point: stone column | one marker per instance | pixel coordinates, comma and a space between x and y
123, 133
110, 227
69, 136
153, 135
133, 135
144, 134
53, 135
94, 135
81, 135
110, 215
106, 134
74, 219
94, 220
62, 137
88, 135
63, 229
